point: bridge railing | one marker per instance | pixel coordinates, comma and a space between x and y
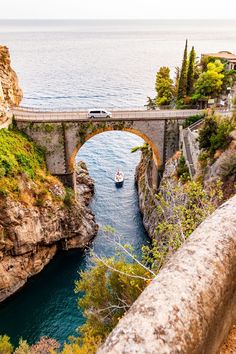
27, 114
80, 109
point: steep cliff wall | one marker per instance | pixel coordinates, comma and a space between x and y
38, 215
147, 194
10, 91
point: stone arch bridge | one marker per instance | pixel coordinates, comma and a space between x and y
61, 134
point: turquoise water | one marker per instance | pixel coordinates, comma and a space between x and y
47, 304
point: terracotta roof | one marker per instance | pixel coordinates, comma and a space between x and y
222, 55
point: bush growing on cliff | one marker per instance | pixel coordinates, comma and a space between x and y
182, 170
142, 148
189, 121
111, 285
23, 174
5, 345
18, 154
23, 347
215, 133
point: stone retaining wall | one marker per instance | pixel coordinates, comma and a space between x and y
190, 306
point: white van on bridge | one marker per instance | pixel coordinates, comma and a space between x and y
99, 113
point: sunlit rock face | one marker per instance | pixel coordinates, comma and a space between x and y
31, 236
10, 91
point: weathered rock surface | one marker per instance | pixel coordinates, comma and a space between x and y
147, 195
30, 237
10, 91
85, 184
190, 306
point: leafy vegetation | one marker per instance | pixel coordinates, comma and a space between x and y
142, 148
111, 285
215, 133
193, 119
210, 81
151, 104
191, 73
164, 87
5, 345
182, 84
18, 155
182, 170
23, 174
195, 82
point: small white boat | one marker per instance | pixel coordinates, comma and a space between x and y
119, 178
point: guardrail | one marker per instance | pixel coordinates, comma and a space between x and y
33, 115
81, 109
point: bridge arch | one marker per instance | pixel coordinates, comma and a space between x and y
155, 150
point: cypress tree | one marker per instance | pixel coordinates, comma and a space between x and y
182, 89
177, 72
190, 73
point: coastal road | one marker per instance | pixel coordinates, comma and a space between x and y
36, 115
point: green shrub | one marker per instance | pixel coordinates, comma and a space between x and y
189, 121
215, 133
221, 139
23, 173
5, 346
69, 197
108, 294
208, 129
111, 285
182, 170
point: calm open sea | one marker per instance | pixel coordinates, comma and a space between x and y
103, 63
87, 64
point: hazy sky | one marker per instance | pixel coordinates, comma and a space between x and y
63, 9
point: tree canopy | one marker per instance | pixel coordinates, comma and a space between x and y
182, 85
210, 81
164, 86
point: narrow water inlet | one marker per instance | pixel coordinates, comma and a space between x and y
47, 304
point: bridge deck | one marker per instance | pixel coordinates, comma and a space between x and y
32, 115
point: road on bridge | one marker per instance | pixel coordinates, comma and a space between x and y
36, 115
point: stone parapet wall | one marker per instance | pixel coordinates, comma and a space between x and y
190, 306
190, 146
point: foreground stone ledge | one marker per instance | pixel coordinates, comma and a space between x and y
190, 306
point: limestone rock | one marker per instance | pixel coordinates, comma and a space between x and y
10, 91
147, 195
85, 184
30, 237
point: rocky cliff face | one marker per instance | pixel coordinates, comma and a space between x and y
10, 91
30, 237
148, 202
